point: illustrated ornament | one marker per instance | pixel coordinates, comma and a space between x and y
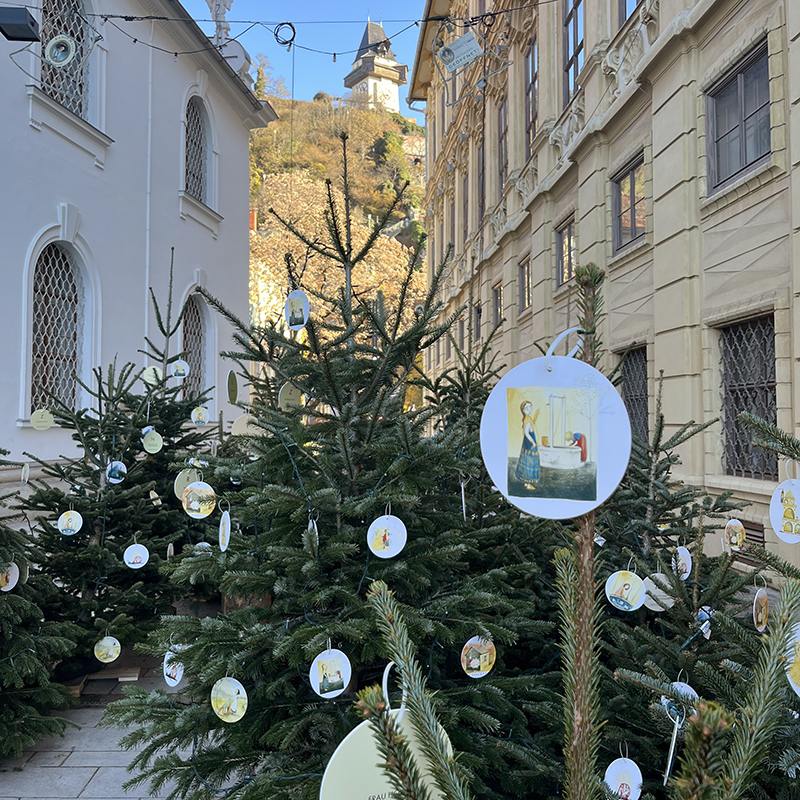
42, 420
387, 536
70, 522
224, 530
656, 599
136, 556
761, 610
26, 473
625, 590
682, 563
330, 673
289, 395
198, 500
233, 388
116, 472
107, 649
173, 668
200, 415
793, 660
555, 436
179, 369
296, 310
478, 656
229, 699
735, 534
152, 442
625, 778
183, 479
783, 510
9, 577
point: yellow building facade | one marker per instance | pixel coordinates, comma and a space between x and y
655, 140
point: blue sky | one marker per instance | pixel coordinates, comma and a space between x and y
322, 26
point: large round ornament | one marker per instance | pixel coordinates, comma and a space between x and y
70, 522
330, 673
107, 649
296, 309
682, 563
116, 472
152, 376
783, 511
625, 590
198, 500
152, 442
233, 387
245, 425
735, 534
224, 530
555, 437
387, 536
179, 368
656, 599
229, 699
200, 415
42, 419
478, 656
136, 556
684, 708
173, 668
9, 577
761, 610
625, 778
289, 395
183, 479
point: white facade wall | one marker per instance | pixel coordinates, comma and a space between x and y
112, 192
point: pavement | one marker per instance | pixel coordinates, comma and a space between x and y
86, 763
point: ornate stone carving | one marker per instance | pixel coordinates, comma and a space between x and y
564, 134
619, 62
498, 219
528, 180
648, 16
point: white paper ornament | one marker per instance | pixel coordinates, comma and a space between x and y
229, 699
198, 500
657, 599
783, 511
289, 395
9, 577
245, 425
173, 667
296, 309
761, 610
26, 473
152, 442
170, 550
136, 556
387, 536
682, 563
625, 590
224, 530
233, 388
735, 534
116, 472
156, 500
555, 437
203, 546
70, 522
107, 649
152, 376
478, 656
182, 480
330, 673
200, 415
625, 778
42, 419
179, 369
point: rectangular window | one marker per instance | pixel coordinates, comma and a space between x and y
628, 205
461, 327
448, 347
502, 146
525, 285
481, 183
626, 8
453, 224
738, 118
497, 304
747, 371
476, 333
438, 351
443, 111
634, 390
531, 93
565, 253
432, 140
573, 46
465, 209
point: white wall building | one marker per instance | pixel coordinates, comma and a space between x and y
110, 161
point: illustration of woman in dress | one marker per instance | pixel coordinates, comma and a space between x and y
528, 464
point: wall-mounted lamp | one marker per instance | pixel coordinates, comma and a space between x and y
17, 25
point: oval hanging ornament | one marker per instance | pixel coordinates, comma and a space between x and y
136, 556
656, 599
224, 531
152, 442
116, 472
793, 660
107, 649
761, 610
625, 590
555, 437
155, 499
152, 376
200, 415
9, 577
179, 369
682, 563
330, 673
735, 534
70, 522
245, 425
625, 778
233, 387
60, 51
173, 668
26, 473
229, 699
289, 395
170, 550
183, 479
387, 536
478, 656
202, 546
783, 511
296, 310
42, 419
198, 500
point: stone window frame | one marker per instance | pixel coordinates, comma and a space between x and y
616, 203
569, 221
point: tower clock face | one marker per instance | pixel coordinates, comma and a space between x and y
363, 87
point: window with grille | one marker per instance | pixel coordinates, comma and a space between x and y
56, 339
453, 223
481, 183
67, 85
565, 253
497, 304
448, 347
194, 347
738, 118
747, 369
573, 46
525, 285
531, 92
502, 146
478, 316
461, 327
628, 205
196, 150
635, 390
465, 208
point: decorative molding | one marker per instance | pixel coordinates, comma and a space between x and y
498, 219
69, 219
191, 207
527, 181
648, 16
565, 133
747, 308
619, 63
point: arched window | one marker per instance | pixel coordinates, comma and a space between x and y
56, 332
196, 150
194, 346
66, 84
